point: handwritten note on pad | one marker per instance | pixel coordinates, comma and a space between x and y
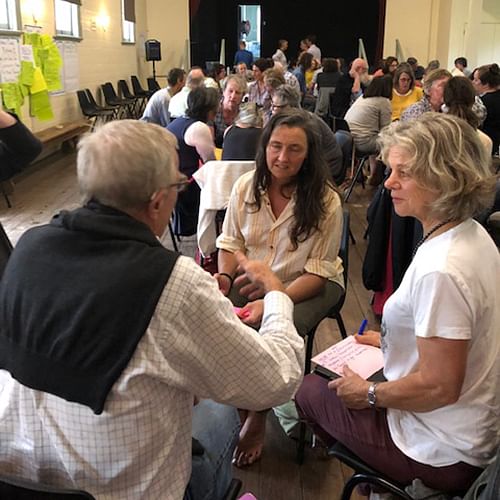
365, 360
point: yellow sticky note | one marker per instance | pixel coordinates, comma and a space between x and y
39, 83
27, 73
40, 106
12, 97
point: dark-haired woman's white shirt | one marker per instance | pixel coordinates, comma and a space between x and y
262, 236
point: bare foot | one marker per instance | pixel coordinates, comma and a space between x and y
251, 441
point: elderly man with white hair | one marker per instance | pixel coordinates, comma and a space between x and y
108, 339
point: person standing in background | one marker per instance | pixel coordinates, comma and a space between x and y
279, 55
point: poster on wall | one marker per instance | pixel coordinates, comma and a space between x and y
70, 71
10, 63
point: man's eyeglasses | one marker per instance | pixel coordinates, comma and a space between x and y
180, 186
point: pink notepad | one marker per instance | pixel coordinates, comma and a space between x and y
365, 360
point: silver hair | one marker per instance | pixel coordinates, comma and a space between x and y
288, 95
124, 162
242, 84
447, 158
249, 115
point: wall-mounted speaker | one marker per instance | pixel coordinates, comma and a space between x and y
153, 50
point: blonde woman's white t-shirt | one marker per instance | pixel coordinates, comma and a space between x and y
451, 290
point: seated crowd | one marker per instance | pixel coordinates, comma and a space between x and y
165, 409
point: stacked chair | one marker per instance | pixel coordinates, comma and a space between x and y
139, 103
125, 106
91, 110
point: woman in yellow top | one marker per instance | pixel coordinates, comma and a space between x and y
404, 91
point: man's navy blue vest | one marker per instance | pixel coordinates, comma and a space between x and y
76, 297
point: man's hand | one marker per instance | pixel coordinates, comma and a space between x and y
262, 280
370, 337
224, 283
252, 313
351, 389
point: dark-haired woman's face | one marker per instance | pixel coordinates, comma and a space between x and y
404, 83
478, 86
257, 73
285, 153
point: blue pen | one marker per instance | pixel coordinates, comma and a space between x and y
362, 327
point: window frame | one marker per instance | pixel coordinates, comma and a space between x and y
76, 23
14, 7
126, 26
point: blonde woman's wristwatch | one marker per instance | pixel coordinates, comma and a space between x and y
372, 396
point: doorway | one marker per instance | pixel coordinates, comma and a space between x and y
249, 28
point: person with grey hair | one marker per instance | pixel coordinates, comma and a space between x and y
286, 97
234, 90
437, 411
432, 100
108, 339
178, 103
241, 138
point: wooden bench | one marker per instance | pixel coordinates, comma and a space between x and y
65, 133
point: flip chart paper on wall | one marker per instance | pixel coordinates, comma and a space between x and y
26, 53
9, 60
70, 69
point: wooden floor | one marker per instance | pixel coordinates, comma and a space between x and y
51, 185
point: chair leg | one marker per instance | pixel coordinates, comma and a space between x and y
6, 196
172, 236
359, 171
340, 322
301, 445
353, 241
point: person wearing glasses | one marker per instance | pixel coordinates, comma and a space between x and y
404, 92
287, 214
196, 146
107, 337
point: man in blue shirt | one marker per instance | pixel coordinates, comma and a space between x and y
243, 55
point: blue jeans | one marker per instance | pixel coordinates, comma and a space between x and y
216, 427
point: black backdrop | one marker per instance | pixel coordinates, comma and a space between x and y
337, 23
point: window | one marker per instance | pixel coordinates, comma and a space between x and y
67, 14
128, 21
9, 19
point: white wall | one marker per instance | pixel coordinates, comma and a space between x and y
444, 30
102, 56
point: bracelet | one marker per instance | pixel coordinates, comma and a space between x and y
231, 279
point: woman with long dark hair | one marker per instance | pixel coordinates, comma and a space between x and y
288, 214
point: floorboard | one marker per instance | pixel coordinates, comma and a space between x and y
51, 186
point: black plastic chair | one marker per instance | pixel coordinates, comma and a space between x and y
139, 102
363, 473
153, 85
126, 106
91, 110
23, 489
114, 109
333, 313
137, 88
